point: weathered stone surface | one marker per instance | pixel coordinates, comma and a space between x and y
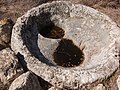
5, 32
26, 81
9, 67
118, 82
99, 87
94, 33
53, 88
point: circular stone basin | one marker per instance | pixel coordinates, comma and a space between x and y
68, 45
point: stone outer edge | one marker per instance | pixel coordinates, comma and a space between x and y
61, 77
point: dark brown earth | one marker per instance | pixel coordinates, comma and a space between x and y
15, 8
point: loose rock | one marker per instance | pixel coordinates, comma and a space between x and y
26, 81
5, 32
9, 67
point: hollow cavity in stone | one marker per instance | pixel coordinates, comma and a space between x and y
52, 31
67, 54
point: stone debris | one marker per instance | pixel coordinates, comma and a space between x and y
26, 81
5, 32
92, 32
9, 67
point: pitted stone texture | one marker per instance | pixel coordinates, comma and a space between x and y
91, 31
53, 88
5, 32
9, 67
99, 87
118, 82
26, 81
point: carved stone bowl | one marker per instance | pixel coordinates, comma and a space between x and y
68, 45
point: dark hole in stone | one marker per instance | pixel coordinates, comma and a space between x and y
52, 31
67, 54
12, 66
115, 55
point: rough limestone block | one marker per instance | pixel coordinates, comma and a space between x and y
68, 45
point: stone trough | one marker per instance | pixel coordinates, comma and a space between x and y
68, 45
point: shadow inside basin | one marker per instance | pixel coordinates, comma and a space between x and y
67, 54
29, 34
52, 31
42, 25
